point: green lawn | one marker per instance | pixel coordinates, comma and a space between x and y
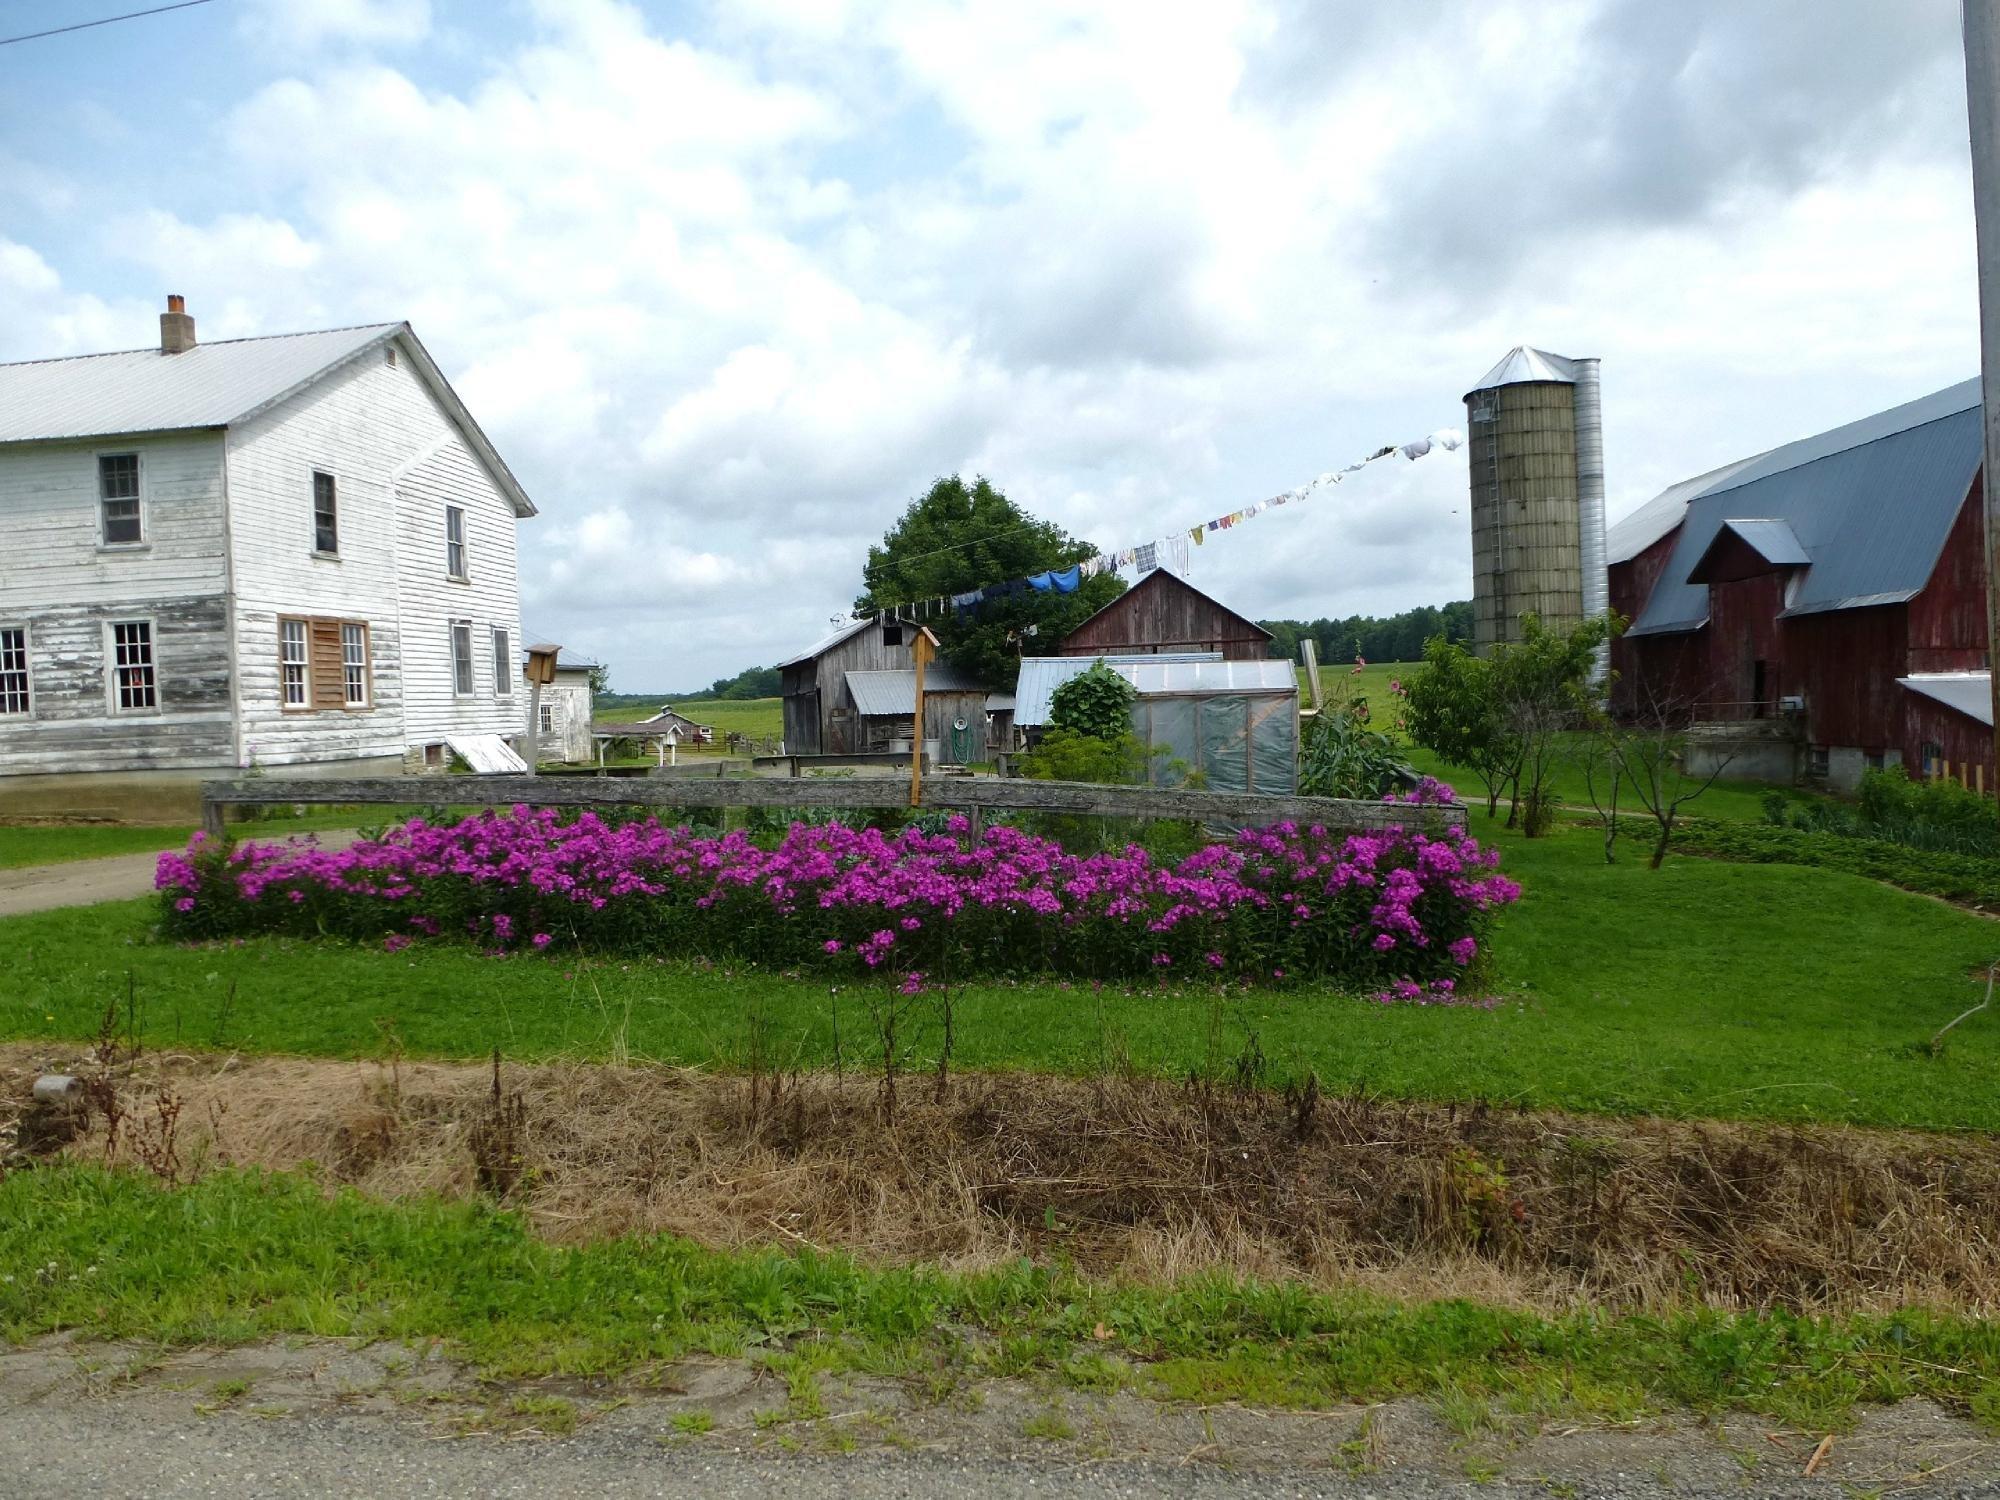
236, 1257
51, 844
1700, 989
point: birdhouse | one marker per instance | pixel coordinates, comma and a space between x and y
541, 668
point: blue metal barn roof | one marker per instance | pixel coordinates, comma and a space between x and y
1867, 506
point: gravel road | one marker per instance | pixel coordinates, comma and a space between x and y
109, 1448
85, 882
325, 1417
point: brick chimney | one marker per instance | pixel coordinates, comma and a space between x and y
176, 327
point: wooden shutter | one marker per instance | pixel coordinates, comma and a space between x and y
329, 688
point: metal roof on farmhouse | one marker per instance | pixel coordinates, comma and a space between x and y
208, 386
1868, 505
894, 691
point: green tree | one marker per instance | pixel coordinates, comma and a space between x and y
600, 679
1451, 709
1097, 702
958, 537
1542, 692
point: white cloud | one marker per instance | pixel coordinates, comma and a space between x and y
728, 301
290, 26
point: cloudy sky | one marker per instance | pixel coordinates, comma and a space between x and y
730, 283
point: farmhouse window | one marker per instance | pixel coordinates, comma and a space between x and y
354, 663
503, 663
323, 664
133, 685
454, 544
118, 499
326, 518
461, 660
548, 718
292, 659
14, 697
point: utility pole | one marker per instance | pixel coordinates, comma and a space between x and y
1982, 107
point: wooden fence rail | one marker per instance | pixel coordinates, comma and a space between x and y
974, 796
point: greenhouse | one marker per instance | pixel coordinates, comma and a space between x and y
1234, 722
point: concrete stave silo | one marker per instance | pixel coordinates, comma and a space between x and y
1535, 443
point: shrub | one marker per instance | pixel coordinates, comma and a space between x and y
1283, 904
1097, 702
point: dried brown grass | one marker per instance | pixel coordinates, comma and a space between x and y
1128, 1176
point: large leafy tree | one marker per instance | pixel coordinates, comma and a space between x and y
958, 537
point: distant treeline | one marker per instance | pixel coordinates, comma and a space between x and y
1398, 638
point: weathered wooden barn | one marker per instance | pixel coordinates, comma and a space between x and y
854, 693
292, 552
1798, 593
1164, 612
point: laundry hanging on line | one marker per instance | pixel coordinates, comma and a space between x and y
1145, 557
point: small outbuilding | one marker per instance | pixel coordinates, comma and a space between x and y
562, 732
854, 693
1163, 612
1236, 723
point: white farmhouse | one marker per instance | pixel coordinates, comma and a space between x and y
294, 552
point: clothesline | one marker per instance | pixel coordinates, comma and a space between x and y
1169, 550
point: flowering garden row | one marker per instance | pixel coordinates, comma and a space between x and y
1280, 904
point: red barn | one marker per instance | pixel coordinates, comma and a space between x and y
1163, 612
1825, 599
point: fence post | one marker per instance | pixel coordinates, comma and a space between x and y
211, 816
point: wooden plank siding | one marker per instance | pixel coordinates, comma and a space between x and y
820, 716
397, 461
229, 550
65, 588
1162, 612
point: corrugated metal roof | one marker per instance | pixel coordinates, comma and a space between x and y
1187, 672
825, 644
1772, 540
1870, 505
1522, 364
895, 692
144, 390
1971, 693
999, 703
1633, 534
209, 386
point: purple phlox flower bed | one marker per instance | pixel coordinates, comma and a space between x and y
1286, 903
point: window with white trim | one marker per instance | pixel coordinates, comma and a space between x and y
121, 518
354, 663
548, 718
292, 664
134, 686
14, 694
454, 543
323, 664
326, 515
461, 659
503, 663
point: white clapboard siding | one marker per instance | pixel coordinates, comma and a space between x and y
431, 600
58, 582
360, 424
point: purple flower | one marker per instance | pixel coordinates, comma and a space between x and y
541, 939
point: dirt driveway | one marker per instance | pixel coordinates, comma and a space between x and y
85, 882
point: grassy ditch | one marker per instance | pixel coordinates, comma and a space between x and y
1116, 1176
238, 1257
